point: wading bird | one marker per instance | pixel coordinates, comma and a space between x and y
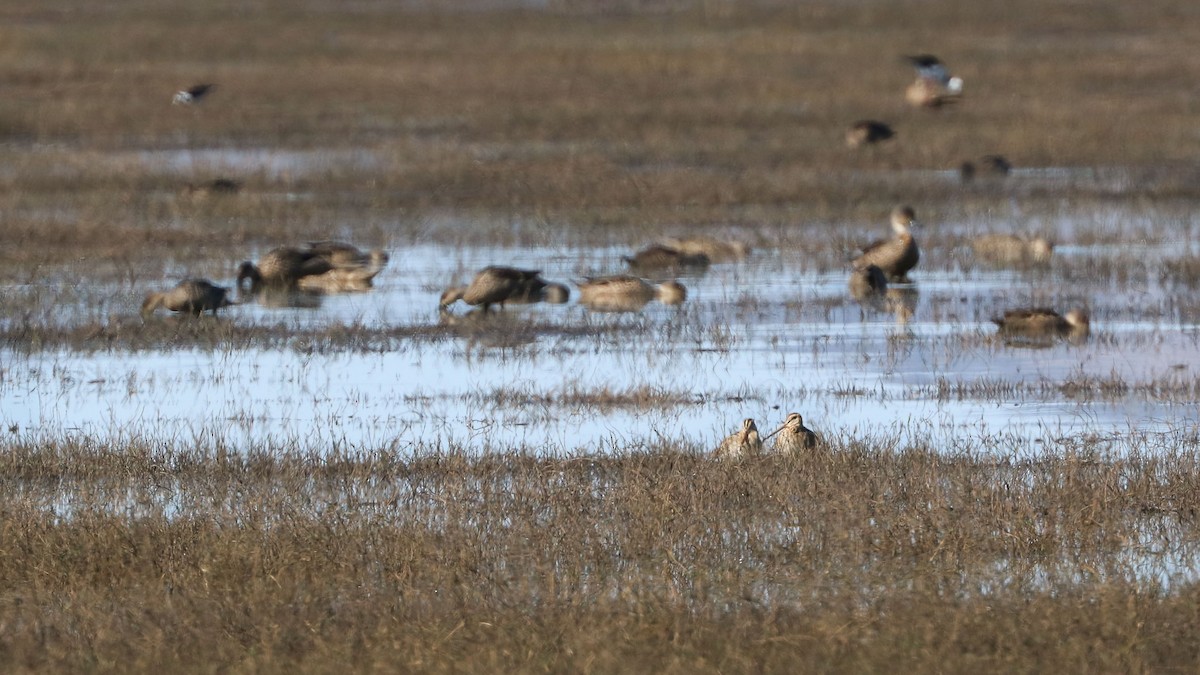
895, 256
742, 443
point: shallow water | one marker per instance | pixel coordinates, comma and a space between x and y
756, 339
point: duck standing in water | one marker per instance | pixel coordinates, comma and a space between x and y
493, 285
742, 443
627, 293
895, 256
792, 437
191, 296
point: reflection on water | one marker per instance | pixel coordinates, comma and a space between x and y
756, 339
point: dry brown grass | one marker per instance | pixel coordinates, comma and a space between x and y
141, 556
603, 122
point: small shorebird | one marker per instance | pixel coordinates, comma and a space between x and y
282, 267
626, 293
1011, 249
742, 443
192, 94
193, 296
657, 257
895, 256
716, 250
1040, 322
868, 132
494, 285
793, 437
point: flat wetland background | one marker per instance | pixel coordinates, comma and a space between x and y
363, 484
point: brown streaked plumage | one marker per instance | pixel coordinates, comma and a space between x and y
1011, 249
494, 285
658, 257
744, 442
898, 255
191, 296
868, 132
627, 293
1040, 322
792, 437
716, 250
282, 267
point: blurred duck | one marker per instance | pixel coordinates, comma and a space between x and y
214, 187
927, 93
895, 256
345, 256
716, 250
658, 257
930, 67
495, 285
351, 270
192, 94
1040, 322
792, 437
867, 282
868, 132
625, 293
538, 290
282, 267
1010, 249
193, 296
742, 443
992, 166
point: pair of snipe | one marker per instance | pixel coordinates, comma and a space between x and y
792, 437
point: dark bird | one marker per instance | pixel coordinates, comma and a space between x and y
282, 267
931, 68
193, 94
193, 296
868, 132
495, 285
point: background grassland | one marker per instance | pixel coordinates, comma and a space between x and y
596, 121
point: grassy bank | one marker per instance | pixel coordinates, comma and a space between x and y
865, 557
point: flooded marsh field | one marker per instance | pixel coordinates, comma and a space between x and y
315, 480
